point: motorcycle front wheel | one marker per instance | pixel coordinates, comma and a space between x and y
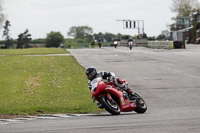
141, 106
111, 106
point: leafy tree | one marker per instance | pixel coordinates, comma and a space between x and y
54, 39
151, 38
109, 37
161, 37
6, 34
184, 7
23, 39
81, 32
98, 36
119, 35
195, 27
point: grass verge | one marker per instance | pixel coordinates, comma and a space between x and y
43, 84
33, 51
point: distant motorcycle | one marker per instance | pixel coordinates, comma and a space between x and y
130, 44
115, 44
114, 99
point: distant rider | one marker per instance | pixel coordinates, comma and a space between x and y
92, 73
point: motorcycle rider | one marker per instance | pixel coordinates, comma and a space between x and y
92, 73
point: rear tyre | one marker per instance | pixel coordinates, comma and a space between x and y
141, 106
111, 107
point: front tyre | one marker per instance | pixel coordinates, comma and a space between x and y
111, 106
141, 106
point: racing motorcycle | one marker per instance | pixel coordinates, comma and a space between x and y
115, 44
114, 99
130, 44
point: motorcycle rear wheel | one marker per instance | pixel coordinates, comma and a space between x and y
111, 107
141, 106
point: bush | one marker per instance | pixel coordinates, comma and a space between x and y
54, 39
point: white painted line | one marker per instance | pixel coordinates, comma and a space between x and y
45, 116
62, 115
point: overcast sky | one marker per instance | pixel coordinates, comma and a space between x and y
44, 16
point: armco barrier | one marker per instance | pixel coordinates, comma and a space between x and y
141, 42
166, 44
160, 44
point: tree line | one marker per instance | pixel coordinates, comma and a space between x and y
79, 34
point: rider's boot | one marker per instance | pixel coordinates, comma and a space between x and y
130, 93
120, 84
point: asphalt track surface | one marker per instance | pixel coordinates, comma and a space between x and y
168, 80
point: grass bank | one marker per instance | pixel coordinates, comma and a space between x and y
43, 84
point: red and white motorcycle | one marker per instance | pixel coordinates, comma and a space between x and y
130, 44
115, 44
114, 99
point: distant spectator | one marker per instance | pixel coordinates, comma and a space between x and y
198, 41
99, 43
61, 45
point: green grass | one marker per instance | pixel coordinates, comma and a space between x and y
33, 51
43, 84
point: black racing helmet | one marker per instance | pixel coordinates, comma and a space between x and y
91, 73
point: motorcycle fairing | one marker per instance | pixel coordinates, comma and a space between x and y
125, 104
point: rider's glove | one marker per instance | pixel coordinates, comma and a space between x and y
105, 75
119, 82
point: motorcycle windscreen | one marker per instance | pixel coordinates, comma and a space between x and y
95, 83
